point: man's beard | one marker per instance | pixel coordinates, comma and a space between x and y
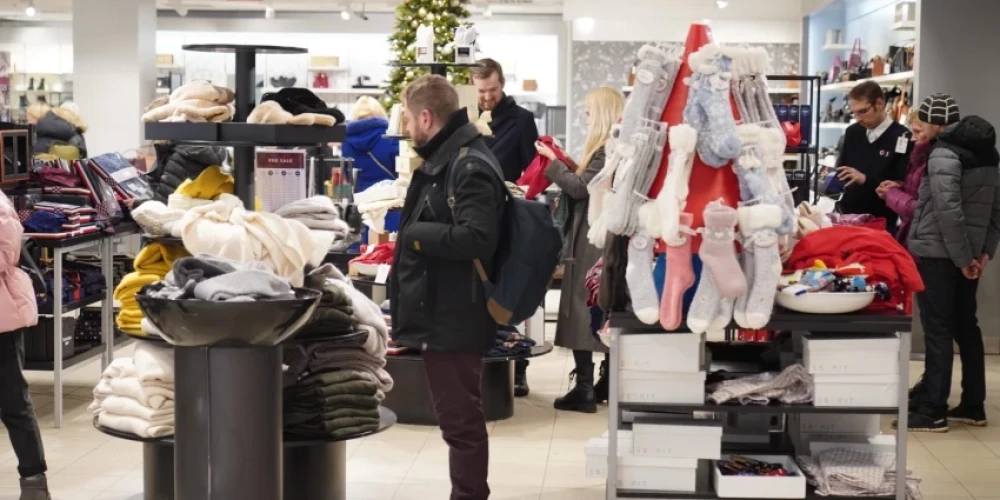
420, 138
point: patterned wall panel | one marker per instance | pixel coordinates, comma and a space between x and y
607, 63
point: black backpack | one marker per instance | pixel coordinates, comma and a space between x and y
526, 256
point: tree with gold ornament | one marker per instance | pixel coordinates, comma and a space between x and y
442, 15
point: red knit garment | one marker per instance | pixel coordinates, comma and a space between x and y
883, 257
381, 254
534, 175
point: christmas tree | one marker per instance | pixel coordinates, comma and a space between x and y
444, 16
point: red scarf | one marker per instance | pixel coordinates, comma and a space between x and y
534, 175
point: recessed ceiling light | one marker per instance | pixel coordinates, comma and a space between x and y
30, 10
722, 4
268, 12
345, 15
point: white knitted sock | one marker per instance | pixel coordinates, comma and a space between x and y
638, 154
747, 263
724, 316
761, 223
673, 197
639, 276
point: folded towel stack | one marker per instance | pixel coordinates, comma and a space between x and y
136, 395
151, 265
333, 404
318, 213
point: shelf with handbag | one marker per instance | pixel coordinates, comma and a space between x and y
884, 80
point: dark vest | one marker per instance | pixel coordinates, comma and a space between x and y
879, 161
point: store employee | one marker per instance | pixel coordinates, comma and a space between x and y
875, 149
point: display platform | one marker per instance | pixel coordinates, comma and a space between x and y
314, 469
410, 398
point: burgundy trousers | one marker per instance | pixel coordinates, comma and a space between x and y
455, 380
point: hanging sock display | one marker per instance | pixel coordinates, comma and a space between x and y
600, 193
708, 109
634, 175
654, 77
759, 225
639, 276
679, 277
752, 173
673, 197
718, 250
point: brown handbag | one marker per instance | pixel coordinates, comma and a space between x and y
878, 66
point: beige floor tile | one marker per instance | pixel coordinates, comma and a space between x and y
73, 494
375, 448
10, 493
947, 488
423, 490
514, 492
574, 493
571, 481
130, 483
987, 465
964, 449
82, 482
428, 471
371, 491
980, 489
378, 469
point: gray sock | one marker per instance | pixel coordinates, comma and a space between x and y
724, 316
639, 276
655, 76
759, 225
747, 263
637, 154
706, 304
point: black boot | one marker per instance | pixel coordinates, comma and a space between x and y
31, 84
581, 397
918, 394
35, 488
41, 84
521, 388
601, 387
24, 100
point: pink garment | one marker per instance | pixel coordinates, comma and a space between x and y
17, 297
903, 200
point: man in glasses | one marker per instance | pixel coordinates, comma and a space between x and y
875, 149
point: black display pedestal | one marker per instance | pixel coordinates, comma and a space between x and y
246, 67
228, 423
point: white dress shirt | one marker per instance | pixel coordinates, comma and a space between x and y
875, 133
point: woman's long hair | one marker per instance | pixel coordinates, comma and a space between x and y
606, 105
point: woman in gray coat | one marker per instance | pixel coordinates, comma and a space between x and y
574, 330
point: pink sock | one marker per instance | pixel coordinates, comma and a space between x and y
718, 253
678, 279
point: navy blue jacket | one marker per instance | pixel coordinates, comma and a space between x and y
514, 136
363, 137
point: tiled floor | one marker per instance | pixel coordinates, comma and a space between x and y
538, 454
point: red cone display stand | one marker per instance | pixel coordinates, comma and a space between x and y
707, 183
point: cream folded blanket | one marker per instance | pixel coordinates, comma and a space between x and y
137, 426
148, 395
153, 362
128, 407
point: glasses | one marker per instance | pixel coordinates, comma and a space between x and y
862, 111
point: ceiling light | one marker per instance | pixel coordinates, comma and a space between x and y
488, 12
345, 15
586, 24
722, 4
268, 12
30, 11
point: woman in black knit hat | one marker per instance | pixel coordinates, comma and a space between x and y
954, 234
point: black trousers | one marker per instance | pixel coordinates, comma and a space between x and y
16, 411
456, 381
948, 313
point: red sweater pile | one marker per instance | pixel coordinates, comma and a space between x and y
884, 259
534, 175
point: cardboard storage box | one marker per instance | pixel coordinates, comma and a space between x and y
839, 424
661, 387
878, 391
641, 473
675, 352
762, 486
847, 354
676, 438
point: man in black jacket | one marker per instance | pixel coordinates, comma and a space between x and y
513, 144
438, 303
875, 149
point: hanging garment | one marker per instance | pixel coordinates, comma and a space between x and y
534, 176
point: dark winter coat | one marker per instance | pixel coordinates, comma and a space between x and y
958, 209
60, 125
573, 329
373, 154
178, 163
437, 298
514, 136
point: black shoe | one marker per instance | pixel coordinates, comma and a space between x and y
922, 422
918, 394
968, 415
24, 100
601, 387
581, 398
521, 388
41, 84
31, 86
35, 488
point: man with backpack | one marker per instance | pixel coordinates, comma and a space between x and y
439, 304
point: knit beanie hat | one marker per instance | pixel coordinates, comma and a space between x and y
938, 109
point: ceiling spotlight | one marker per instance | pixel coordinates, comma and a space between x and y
345, 15
722, 4
30, 10
268, 12
488, 12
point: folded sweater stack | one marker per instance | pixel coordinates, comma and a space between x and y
151, 265
319, 357
375, 202
334, 404
136, 395
335, 313
318, 213
198, 101
157, 219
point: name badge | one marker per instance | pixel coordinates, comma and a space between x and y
902, 143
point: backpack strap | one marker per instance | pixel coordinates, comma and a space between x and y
450, 188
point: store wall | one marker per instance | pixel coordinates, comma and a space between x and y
956, 54
38, 47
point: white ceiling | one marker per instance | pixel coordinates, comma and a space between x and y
59, 9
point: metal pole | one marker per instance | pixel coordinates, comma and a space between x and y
243, 156
902, 422
57, 339
108, 305
614, 414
